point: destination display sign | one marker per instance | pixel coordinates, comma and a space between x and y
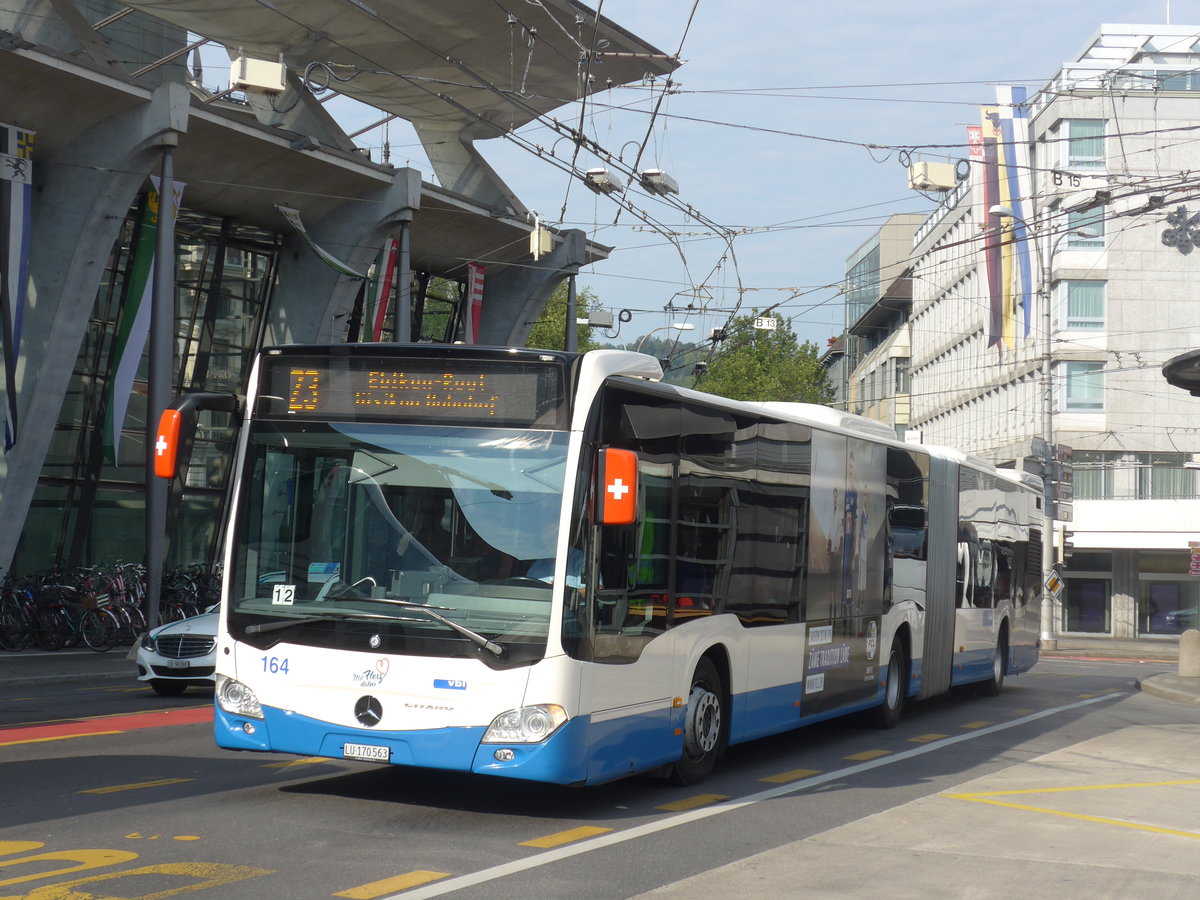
518, 393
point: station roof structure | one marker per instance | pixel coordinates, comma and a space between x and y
432, 60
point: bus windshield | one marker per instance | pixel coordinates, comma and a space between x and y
438, 540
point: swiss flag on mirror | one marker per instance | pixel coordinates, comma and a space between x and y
166, 445
616, 486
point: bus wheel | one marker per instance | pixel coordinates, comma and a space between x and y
704, 729
888, 714
993, 686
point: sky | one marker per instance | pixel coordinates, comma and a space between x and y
764, 134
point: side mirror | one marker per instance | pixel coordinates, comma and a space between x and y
616, 487
177, 426
166, 445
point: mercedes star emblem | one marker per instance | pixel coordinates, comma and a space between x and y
368, 711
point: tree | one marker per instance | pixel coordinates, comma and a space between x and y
549, 332
756, 364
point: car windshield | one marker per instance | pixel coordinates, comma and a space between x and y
444, 534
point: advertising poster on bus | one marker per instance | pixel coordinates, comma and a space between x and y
845, 597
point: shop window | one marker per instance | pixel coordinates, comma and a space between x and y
1087, 605
1168, 607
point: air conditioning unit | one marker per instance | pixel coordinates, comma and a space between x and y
931, 176
257, 76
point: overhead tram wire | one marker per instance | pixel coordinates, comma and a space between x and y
552, 123
485, 84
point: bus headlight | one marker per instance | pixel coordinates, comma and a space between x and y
234, 697
527, 725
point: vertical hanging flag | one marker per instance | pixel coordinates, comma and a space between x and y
293, 218
133, 323
475, 273
380, 291
1014, 133
993, 262
16, 197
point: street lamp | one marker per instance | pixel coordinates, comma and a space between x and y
1046, 263
678, 326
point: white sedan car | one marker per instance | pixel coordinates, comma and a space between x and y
179, 654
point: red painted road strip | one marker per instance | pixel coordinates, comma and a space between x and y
106, 725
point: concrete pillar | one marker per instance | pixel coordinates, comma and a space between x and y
1125, 592
460, 168
312, 302
1189, 654
77, 214
516, 295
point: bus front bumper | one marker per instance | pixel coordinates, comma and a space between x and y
560, 759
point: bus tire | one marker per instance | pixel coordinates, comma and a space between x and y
995, 684
887, 714
704, 727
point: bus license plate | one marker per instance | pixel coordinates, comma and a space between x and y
369, 752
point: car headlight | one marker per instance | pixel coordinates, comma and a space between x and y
527, 725
234, 697
146, 642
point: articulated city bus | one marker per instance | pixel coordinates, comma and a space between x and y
551, 566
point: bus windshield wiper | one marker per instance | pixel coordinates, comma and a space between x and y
489, 645
331, 616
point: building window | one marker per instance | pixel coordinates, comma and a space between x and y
1085, 143
1084, 304
902, 377
1086, 229
1161, 476
1085, 387
1092, 475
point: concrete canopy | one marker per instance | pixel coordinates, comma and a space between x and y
433, 61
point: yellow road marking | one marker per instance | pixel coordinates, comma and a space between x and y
985, 798
391, 885
794, 775
133, 787
566, 837
303, 761
693, 802
977, 725
60, 737
1084, 787
868, 754
927, 738
1018, 712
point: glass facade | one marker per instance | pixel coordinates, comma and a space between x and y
89, 503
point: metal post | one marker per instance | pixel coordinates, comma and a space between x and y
1048, 640
162, 314
402, 320
572, 337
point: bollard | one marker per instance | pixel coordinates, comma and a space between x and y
1189, 654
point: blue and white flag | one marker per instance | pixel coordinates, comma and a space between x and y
16, 197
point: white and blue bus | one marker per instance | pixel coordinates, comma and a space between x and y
551, 566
